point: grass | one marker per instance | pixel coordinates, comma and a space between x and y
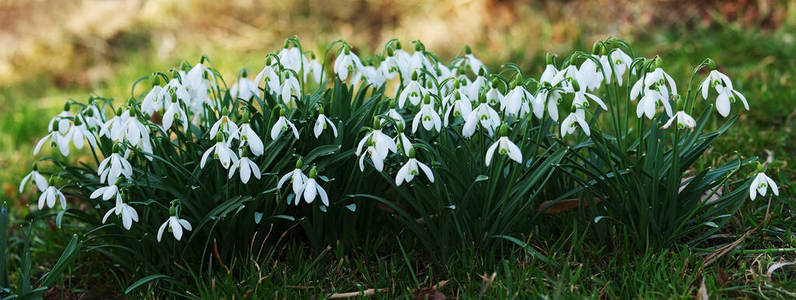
762, 65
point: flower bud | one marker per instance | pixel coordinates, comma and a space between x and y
391, 103
172, 210
598, 48
481, 72
244, 73
414, 75
299, 162
550, 58
66, 106
419, 46
376, 123
426, 99
155, 79
504, 129
244, 112
467, 49
313, 172
390, 52
710, 63
411, 151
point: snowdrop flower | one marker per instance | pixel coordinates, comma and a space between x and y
154, 100
222, 152
760, 185
320, 125
516, 102
92, 116
591, 75
50, 195
36, 179
727, 96
504, 147
312, 189
582, 97
716, 80
549, 96
379, 145
178, 89
429, 116
270, 76
107, 192
297, 178
647, 105
470, 60
62, 121
347, 62
621, 63
576, 118
174, 111
473, 90
225, 125
411, 169
403, 142
282, 125
291, 58
484, 115
413, 92
78, 132
128, 213
176, 226
290, 90
395, 116
683, 121
657, 81
461, 106
247, 135
315, 69
550, 71
569, 78
244, 89
247, 169
114, 166
371, 75
125, 127
389, 66
197, 83
494, 97
56, 140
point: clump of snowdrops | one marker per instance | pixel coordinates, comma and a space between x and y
341, 145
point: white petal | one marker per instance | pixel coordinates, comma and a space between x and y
490, 152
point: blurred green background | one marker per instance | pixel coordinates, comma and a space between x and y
57, 50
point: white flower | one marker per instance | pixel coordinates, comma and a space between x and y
393, 114
683, 120
473, 89
128, 213
413, 91
176, 225
246, 134
347, 62
389, 67
429, 117
715, 79
289, 91
154, 100
505, 147
179, 90
107, 192
222, 152
282, 125
63, 120
37, 179
371, 75
404, 142
225, 125
271, 78
577, 118
411, 169
297, 178
550, 71
726, 96
291, 58
494, 97
591, 75
320, 125
621, 63
114, 166
381, 142
197, 83
316, 69
760, 185
516, 102
470, 60
375, 156
312, 189
50, 195
174, 111
247, 169
244, 89
461, 106
484, 115
56, 140
78, 133
656, 80
550, 97
647, 105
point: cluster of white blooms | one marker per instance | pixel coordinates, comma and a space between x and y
461, 97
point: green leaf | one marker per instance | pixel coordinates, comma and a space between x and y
70, 251
143, 281
538, 255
